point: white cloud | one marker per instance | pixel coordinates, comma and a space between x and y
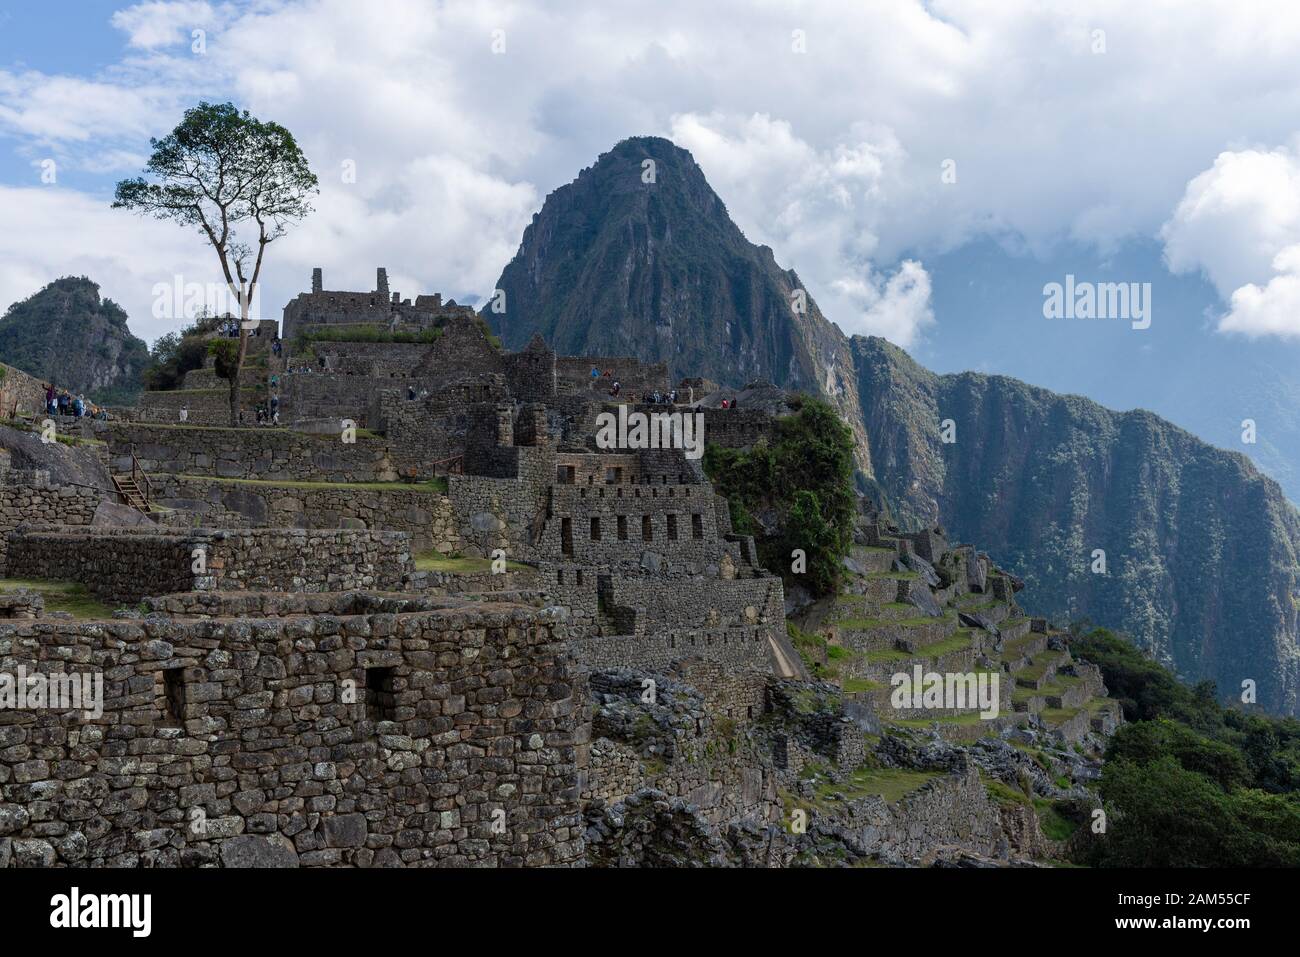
1239, 223
821, 209
832, 157
1273, 310
161, 24
128, 256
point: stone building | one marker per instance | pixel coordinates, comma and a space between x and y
380, 308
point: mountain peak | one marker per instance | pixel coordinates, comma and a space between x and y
66, 334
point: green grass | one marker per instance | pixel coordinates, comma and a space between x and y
1051, 822
957, 641
207, 428
963, 719
435, 561
860, 684
886, 654
892, 784
1042, 662
72, 597
1004, 795
437, 484
223, 390
1058, 716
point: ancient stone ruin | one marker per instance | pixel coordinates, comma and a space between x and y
426, 620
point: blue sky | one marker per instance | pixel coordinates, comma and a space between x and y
925, 167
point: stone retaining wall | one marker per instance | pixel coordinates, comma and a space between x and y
54, 505
424, 514
250, 453
20, 393
438, 738
127, 564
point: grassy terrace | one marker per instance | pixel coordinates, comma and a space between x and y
63, 596
435, 561
884, 655
892, 784
1058, 716
223, 390
867, 624
1042, 662
438, 484
957, 641
1057, 686
851, 685
963, 719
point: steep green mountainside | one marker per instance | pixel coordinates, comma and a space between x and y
614, 265
67, 335
1200, 548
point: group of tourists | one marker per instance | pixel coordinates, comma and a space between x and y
63, 402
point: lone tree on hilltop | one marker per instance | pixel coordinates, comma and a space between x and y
223, 171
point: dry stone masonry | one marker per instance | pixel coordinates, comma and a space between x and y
427, 621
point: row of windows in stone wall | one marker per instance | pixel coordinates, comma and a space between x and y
598, 526
636, 492
567, 475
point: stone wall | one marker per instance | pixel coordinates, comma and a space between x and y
203, 406
424, 514
126, 564
619, 524
251, 453
438, 738
675, 744
20, 393
635, 377
744, 647
737, 428
54, 505
423, 433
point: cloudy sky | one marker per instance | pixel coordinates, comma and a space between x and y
902, 156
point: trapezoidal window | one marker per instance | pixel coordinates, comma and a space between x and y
672, 528
697, 525
566, 536
647, 529
174, 696
622, 528
381, 701
595, 528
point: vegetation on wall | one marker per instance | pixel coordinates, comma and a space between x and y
795, 492
177, 353
374, 332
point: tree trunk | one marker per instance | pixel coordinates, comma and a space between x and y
239, 364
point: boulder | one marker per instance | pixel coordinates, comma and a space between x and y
255, 850
118, 515
66, 465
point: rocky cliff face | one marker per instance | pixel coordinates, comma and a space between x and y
67, 335
1201, 550
615, 265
